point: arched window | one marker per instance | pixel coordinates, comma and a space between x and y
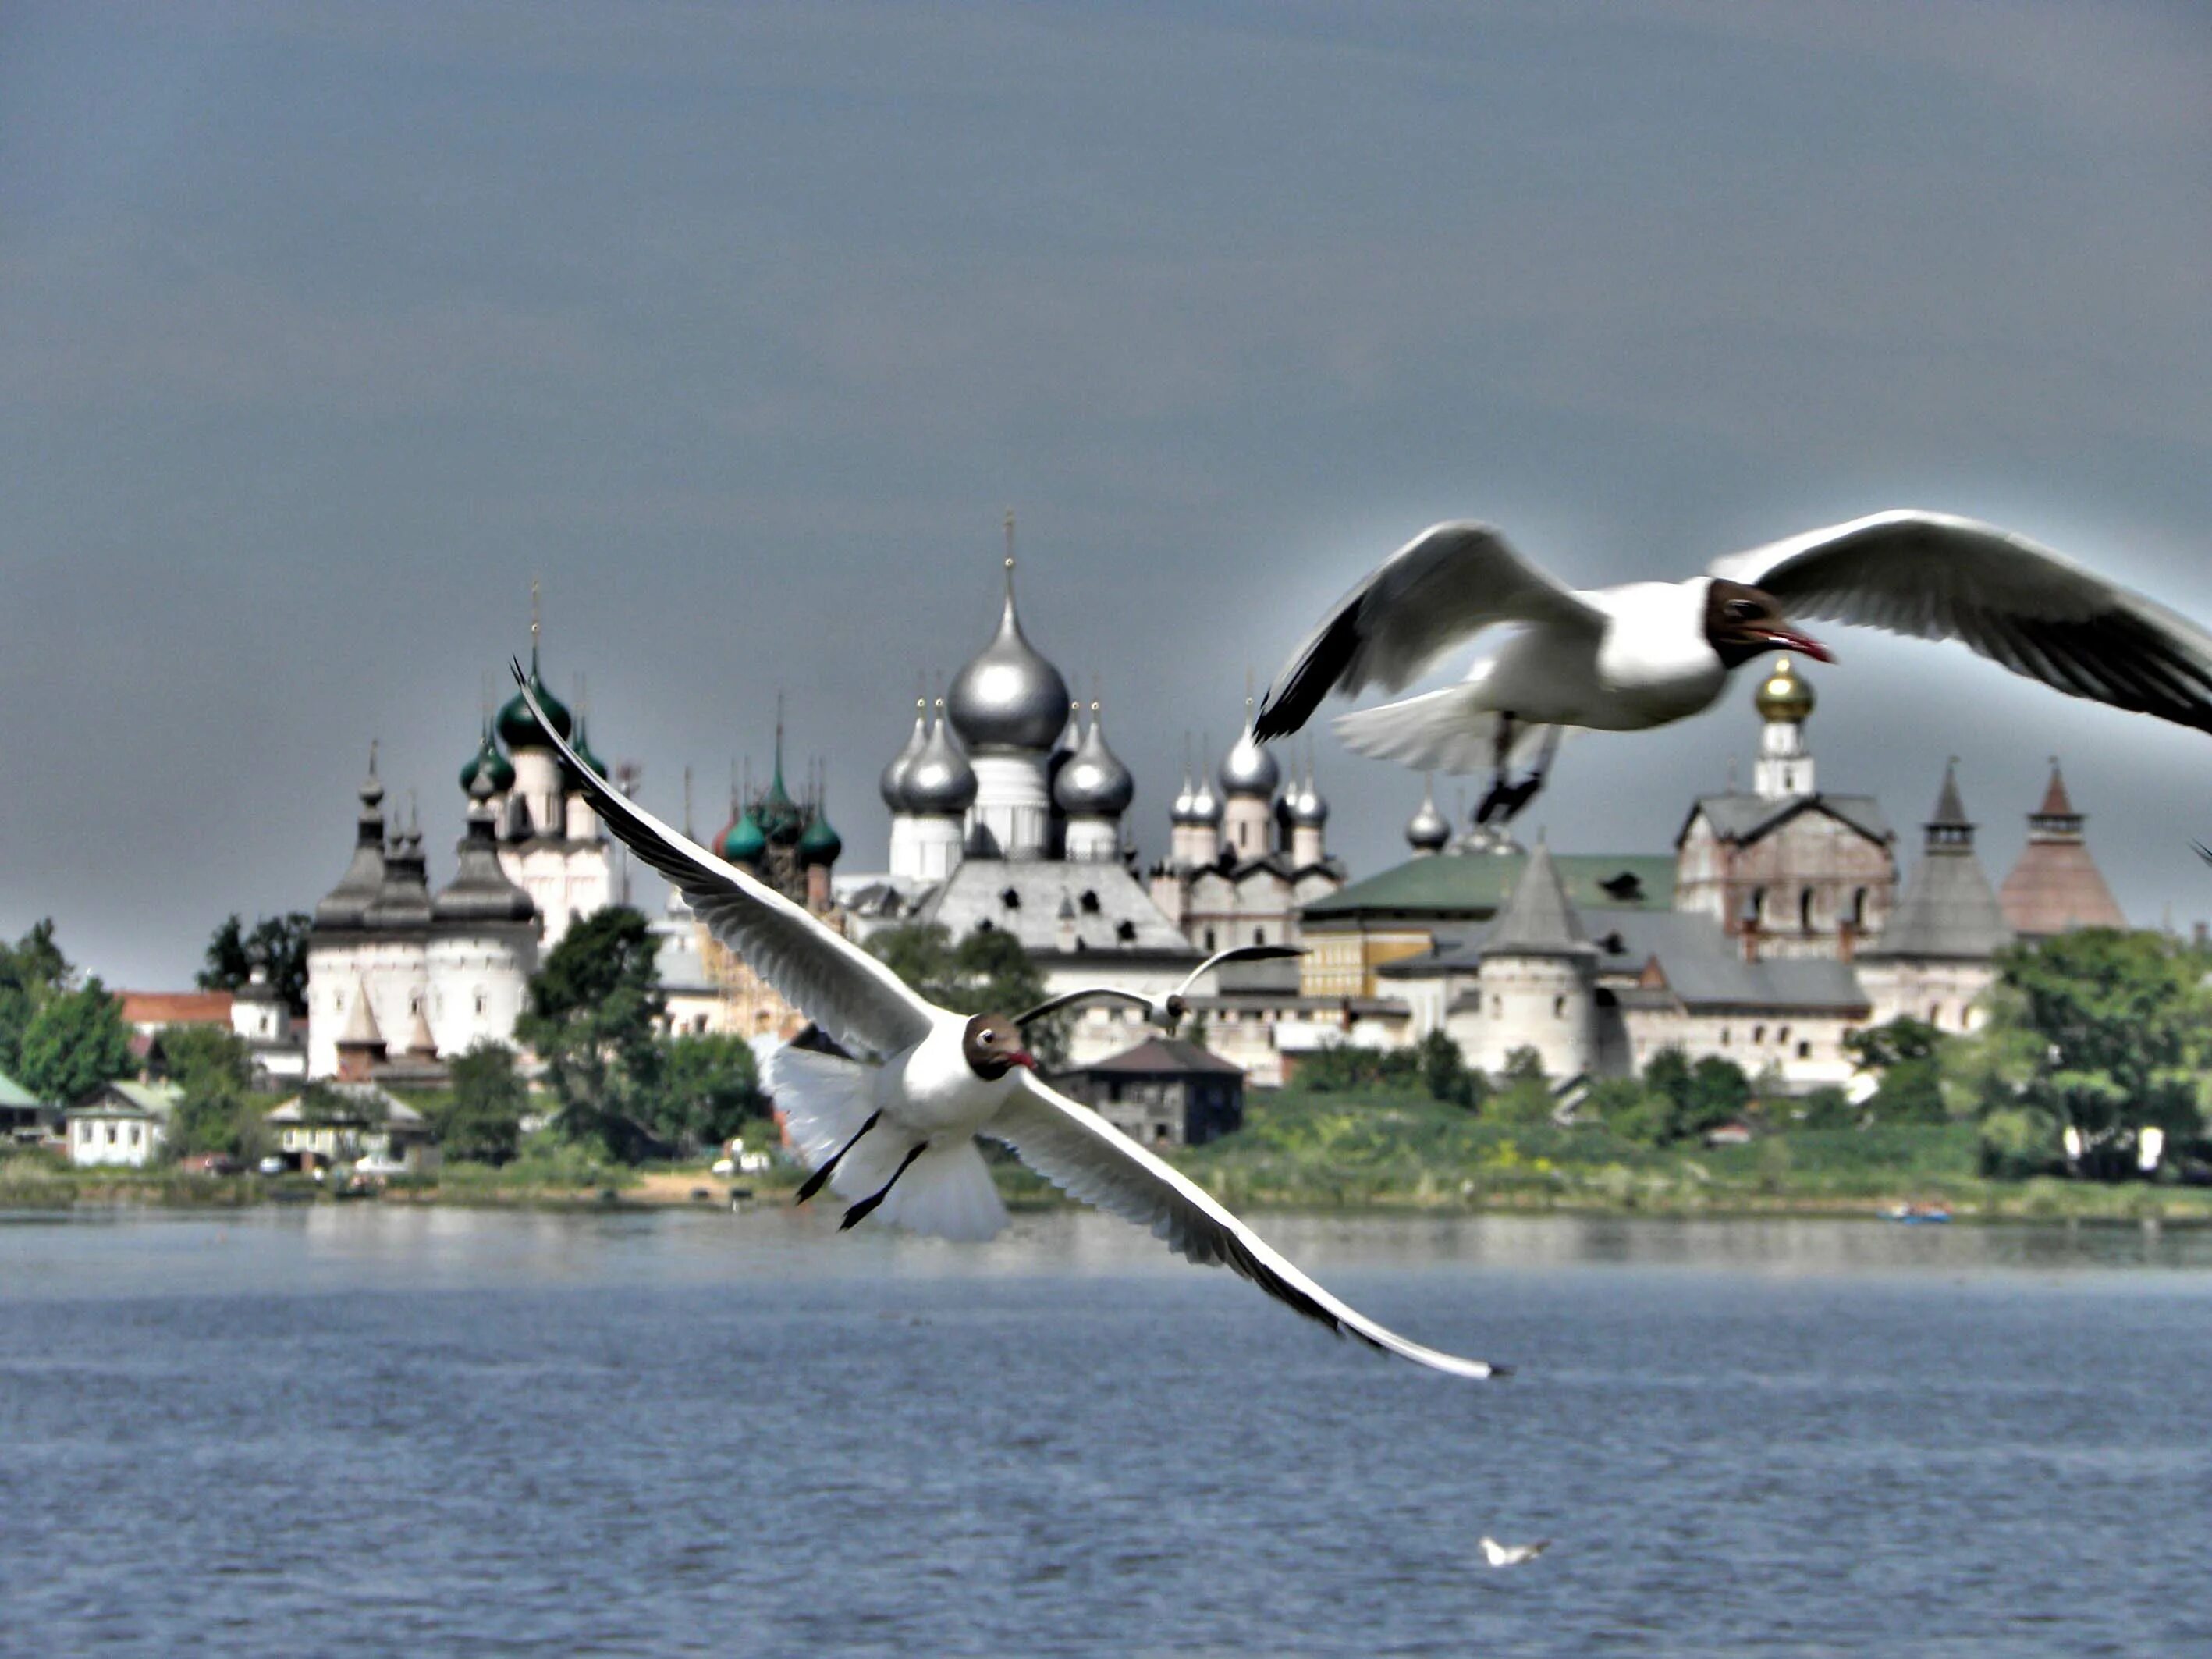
1805, 910
1757, 1034
1209, 938
1754, 906
1259, 936
1858, 906
1558, 1007
1804, 1049
1724, 1037
1934, 1014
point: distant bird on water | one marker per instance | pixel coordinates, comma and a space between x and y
898, 1135
1643, 654
1512, 1555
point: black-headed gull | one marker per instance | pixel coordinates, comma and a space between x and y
1645, 654
1512, 1555
898, 1132
1167, 1011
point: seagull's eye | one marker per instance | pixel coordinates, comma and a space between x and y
987, 1035
1741, 611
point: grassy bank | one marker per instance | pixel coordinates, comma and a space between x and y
1310, 1152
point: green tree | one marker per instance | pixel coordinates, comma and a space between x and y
1906, 1056
33, 971
595, 1007
1346, 1067
2124, 1025
1446, 1076
1826, 1108
708, 1087
77, 1041
987, 972
210, 1064
1682, 1100
278, 945
1522, 1095
480, 1120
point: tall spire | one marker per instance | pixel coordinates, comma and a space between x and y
533, 628
688, 835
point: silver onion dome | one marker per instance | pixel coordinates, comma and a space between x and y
1247, 769
1094, 783
1008, 696
1308, 808
1428, 829
1205, 804
893, 782
940, 782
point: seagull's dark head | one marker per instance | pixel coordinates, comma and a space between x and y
992, 1045
1742, 622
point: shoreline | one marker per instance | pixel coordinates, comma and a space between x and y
2039, 1202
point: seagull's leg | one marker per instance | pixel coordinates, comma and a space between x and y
812, 1184
1501, 756
861, 1211
1520, 794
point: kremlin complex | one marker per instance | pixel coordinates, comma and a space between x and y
1780, 921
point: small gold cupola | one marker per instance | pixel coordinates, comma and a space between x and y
1782, 695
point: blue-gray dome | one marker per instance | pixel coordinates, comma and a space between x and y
940, 782
893, 783
1428, 829
1247, 769
1094, 783
1008, 696
1309, 810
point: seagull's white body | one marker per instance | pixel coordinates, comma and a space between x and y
1640, 655
932, 1103
1512, 1555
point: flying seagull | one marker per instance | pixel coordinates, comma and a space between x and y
898, 1132
1167, 1011
1512, 1555
1645, 654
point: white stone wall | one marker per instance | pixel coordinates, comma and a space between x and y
478, 989
1013, 802
1093, 840
537, 783
1543, 1003
1248, 824
1948, 995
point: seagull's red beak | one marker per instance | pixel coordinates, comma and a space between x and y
1790, 639
1022, 1057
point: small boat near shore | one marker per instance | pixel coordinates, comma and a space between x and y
1918, 1214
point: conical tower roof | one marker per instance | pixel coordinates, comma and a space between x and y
2056, 887
481, 890
346, 905
1537, 921
361, 1028
1948, 911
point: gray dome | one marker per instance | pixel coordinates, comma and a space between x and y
1008, 696
893, 783
1205, 805
1428, 829
403, 900
1248, 768
1309, 811
1094, 783
940, 782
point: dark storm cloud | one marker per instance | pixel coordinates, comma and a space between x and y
322, 329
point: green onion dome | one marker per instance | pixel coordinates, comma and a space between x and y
744, 843
518, 728
820, 844
583, 747
780, 820
490, 762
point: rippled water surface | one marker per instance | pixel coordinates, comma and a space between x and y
383, 1431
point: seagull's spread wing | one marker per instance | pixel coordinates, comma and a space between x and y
856, 999
1938, 577
1446, 585
1087, 1157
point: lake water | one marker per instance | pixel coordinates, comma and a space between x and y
372, 1430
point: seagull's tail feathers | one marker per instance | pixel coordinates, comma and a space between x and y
946, 1193
1454, 730
824, 1100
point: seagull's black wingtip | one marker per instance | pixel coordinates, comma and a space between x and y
1501, 1371
520, 678
2203, 851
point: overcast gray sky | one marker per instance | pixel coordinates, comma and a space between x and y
324, 327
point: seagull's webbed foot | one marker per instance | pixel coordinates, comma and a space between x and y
813, 1183
867, 1206
1507, 798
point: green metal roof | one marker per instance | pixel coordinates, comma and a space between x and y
1473, 885
12, 1093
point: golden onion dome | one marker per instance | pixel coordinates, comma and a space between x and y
1782, 694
